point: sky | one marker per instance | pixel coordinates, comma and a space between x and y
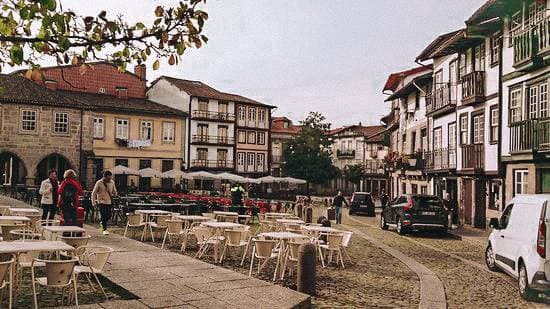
327, 56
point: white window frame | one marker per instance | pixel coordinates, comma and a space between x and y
516, 112
438, 138
478, 122
60, 122
520, 181
146, 128
241, 135
168, 132
493, 135
260, 160
261, 117
463, 119
241, 158
29, 117
122, 129
242, 113
251, 116
250, 161
99, 127
260, 136
250, 140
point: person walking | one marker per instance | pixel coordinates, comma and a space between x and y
48, 190
70, 191
102, 197
384, 199
237, 193
337, 203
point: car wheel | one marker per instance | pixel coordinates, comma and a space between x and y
523, 283
490, 259
383, 224
400, 229
350, 212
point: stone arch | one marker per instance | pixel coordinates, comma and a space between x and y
13, 170
53, 160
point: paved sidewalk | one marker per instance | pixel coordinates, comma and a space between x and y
471, 234
162, 279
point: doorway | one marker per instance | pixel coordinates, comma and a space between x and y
467, 200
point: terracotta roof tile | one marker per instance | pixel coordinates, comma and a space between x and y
395, 78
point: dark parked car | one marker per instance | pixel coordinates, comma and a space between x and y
415, 212
361, 202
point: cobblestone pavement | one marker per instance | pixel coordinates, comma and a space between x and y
466, 286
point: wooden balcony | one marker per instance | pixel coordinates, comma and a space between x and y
531, 45
473, 156
212, 140
374, 167
531, 135
441, 100
473, 87
347, 153
440, 159
214, 164
216, 116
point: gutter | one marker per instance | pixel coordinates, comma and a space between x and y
500, 105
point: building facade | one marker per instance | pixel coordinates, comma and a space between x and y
282, 130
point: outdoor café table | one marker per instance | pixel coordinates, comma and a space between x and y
15, 219
54, 230
226, 213
190, 219
290, 221
321, 229
147, 214
24, 211
276, 215
219, 227
283, 238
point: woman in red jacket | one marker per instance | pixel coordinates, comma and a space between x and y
69, 192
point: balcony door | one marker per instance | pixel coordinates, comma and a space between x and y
478, 133
223, 109
202, 156
453, 79
222, 157
202, 132
537, 100
203, 108
222, 134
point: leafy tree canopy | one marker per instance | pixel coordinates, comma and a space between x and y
354, 173
31, 30
308, 155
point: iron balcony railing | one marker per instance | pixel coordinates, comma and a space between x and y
531, 42
220, 116
530, 135
213, 139
473, 156
441, 159
441, 98
374, 167
346, 153
473, 87
212, 163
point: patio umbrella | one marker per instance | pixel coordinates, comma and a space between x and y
295, 181
123, 170
149, 173
175, 174
271, 179
231, 177
252, 180
203, 175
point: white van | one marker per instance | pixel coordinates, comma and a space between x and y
518, 243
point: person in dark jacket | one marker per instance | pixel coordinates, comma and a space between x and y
70, 191
384, 199
337, 203
237, 193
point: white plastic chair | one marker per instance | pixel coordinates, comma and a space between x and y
159, 225
345, 244
235, 239
92, 260
262, 250
134, 222
59, 274
334, 245
6, 279
174, 232
205, 240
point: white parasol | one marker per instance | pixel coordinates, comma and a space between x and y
123, 170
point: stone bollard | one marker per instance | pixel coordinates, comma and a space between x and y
309, 215
307, 260
299, 211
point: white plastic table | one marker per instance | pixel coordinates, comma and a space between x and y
188, 219
26, 211
55, 230
219, 227
321, 229
17, 247
290, 221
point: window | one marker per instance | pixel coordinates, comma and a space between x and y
462, 66
261, 161
464, 129
515, 105
424, 139
251, 116
538, 100
495, 48
251, 137
479, 129
222, 155
202, 132
122, 126
222, 134
99, 128
493, 136
505, 218
261, 117
168, 132
242, 113
414, 188
438, 133
242, 136
223, 108
144, 164
453, 73
403, 188
423, 189
536, 12
250, 161
202, 154
479, 57
417, 101
28, 120
520, 181
261, 138
544, 181
514, 26
203, 106
61, 122
240, 158
451, 140
146, 130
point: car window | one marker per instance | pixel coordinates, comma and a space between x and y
359, 198
428, 202
505, 218
401, 200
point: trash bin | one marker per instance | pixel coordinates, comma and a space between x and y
331, 213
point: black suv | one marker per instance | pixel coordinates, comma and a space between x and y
415, 212
361, 202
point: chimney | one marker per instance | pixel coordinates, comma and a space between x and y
122, 93
141, 71
51, 84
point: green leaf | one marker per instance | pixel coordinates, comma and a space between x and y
140, 25
16, 54
156, 65
64, 43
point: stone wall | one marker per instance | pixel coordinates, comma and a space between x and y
33, 147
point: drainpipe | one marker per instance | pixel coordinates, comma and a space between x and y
81, 172
500, 171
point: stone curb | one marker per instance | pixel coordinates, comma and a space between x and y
432, 291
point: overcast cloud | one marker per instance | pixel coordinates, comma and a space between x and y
306, 55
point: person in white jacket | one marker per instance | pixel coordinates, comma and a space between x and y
48, 190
